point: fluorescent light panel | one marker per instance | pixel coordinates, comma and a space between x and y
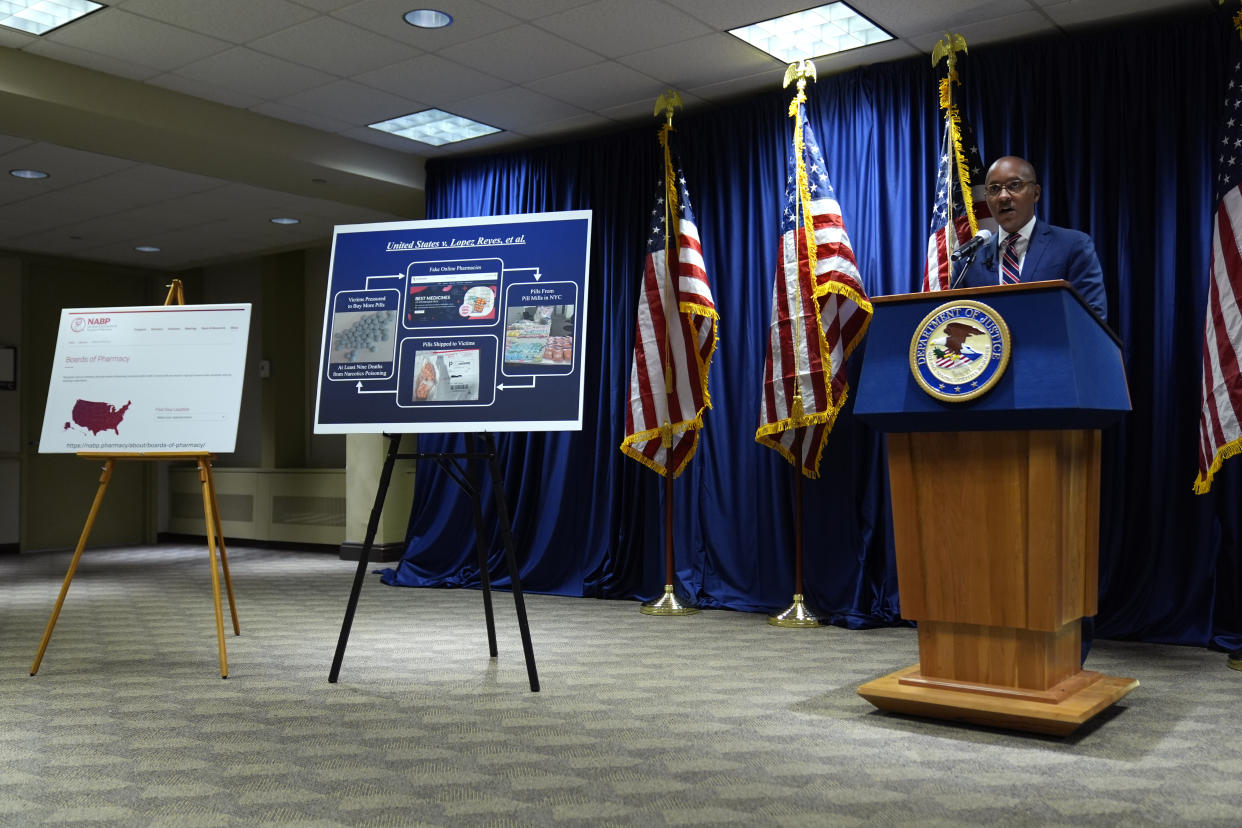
435, 127
38, 17
823, 30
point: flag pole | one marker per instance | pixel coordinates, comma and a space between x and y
798, 615
669, 602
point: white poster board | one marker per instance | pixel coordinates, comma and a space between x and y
159, 378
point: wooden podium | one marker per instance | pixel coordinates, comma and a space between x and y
995, 504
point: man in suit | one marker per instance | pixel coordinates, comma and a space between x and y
1028, 250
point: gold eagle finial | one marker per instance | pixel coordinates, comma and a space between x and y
668, 102
800, 70
949, 46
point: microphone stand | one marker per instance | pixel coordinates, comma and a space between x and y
970, 260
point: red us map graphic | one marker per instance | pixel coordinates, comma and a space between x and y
97, 416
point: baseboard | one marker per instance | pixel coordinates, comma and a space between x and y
9, 548
380, 552
229, 543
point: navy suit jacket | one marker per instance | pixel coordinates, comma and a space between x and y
1053, 253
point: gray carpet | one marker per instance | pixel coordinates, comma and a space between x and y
711, 719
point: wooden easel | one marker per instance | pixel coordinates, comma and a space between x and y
211, 514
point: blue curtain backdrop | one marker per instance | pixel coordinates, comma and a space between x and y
1120, 125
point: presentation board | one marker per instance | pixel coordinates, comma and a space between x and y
456, 325
137, 379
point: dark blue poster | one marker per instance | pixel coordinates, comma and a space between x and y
455, 325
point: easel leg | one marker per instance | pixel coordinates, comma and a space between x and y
224, 558
209, 517
104, 477
394, 441
506, 531
480, 536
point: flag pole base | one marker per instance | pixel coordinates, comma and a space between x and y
670, 603
797, 615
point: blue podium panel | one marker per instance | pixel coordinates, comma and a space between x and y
1065, 368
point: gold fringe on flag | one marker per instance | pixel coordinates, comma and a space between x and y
947, 49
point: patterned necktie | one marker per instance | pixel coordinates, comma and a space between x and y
1010, 275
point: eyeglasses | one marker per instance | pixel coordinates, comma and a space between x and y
1015, 187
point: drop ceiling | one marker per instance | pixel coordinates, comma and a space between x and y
188, 124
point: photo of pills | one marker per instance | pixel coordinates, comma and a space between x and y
368, 338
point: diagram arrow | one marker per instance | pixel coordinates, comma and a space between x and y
381, 391
502, 386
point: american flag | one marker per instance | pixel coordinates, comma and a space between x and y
672, 351
1220, 436
950, 221
819, 314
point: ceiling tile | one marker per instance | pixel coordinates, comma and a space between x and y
1000, 30
889, 50
614, 29
433, 79
574, 124
108, 229
127, 37
600, 86
359, 105
388, 140
316, 120
535, 9
334, 46
522, 53
205, 90
13, 190
515, 108
66, 166
237, 21
701, 61
740, 87
325, 6
902, 18
1071, 14
13, 39
254, 73
730, 14
8, 143
92, 60
56, 208
471, 19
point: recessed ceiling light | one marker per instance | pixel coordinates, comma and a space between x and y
284, 220
28, 174
38, 17
823, 30
428, 18
147, 248
435, 127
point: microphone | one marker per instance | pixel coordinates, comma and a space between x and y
968, 249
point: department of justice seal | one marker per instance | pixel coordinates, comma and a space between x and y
959, 351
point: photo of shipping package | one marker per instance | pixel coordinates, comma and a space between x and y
447, 375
